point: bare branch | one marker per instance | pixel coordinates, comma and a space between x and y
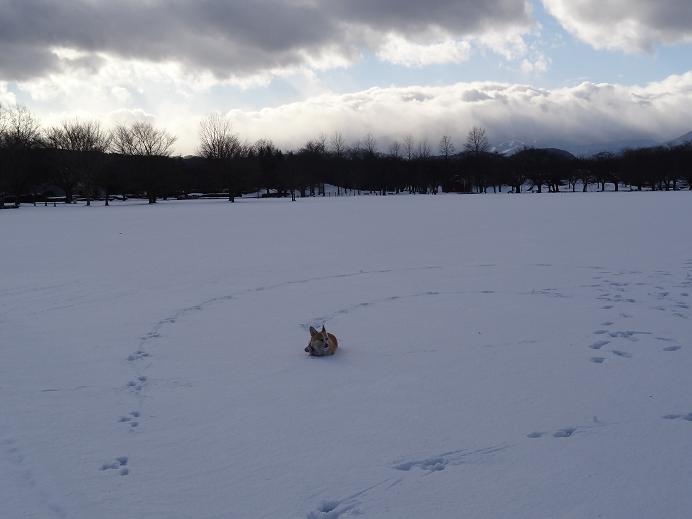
477, 141
446, 146
409, 147
217, 140
337, 144
85, 136
19, 128
141, 139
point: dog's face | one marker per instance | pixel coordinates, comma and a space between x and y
319, 342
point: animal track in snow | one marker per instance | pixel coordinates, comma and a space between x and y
598, 345
14, 460
627, 334
138, 355
335, 508
674, 416
550, 292
621, 353
442, 461
430, 465
597, 360
120, 464
136, 385
332, 510
132, 419
672, 348
607, 323
325, 318
565, 432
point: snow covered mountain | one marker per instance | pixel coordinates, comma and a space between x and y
680, 141
508, 148
511, 147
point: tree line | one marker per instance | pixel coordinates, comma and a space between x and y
82, 159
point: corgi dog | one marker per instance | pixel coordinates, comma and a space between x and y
321, 343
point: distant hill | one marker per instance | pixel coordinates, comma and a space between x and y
680, 141
588, 150
513, 147
509, 148
557, 152
546, 153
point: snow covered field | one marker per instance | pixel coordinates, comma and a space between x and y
501, 357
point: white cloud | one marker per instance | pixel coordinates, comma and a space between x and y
589, 113
510, 45
534, 66
585, 114
629, 25
400, 51
7, 98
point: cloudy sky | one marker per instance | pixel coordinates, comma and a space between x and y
564, 73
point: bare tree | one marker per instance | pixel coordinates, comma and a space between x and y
477, 141
268, 157
446, 150
355, 149
424, 150
395, 149
338, 148
78, 135
446, 146
409, 147
220, 145
217, 139
147, 145
370, 144
337, 144
20, 128
142, 139
317, 146
312, 155
20, 131
83, 145
3, 122
322, 140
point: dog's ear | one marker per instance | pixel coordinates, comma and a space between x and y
324, 331
313, 331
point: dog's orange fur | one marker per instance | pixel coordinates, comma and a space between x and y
318, 341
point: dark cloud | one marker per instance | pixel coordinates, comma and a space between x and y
230, 38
